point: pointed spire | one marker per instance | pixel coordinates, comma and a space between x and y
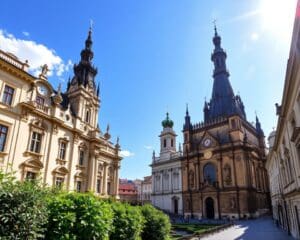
187, 123
187, 110
223, 101
259, 131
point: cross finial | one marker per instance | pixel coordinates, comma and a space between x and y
91, 24
215, 26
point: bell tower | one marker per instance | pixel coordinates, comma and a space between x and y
167, 138
82, 91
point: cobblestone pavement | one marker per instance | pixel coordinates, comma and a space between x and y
262, 228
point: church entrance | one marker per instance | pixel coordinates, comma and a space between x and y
210, 211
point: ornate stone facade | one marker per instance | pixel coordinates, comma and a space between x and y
223, 163
283, 162
166, 172
54, 135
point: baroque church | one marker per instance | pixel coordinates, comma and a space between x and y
223, 162
166, 172
53, 135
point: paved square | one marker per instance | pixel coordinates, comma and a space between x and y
262, 228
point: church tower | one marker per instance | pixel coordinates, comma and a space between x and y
167, 138
223, 162
82, 91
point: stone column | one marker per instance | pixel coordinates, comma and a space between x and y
91, 171
116, 181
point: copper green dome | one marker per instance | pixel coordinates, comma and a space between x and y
167, 123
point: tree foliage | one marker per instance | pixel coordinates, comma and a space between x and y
157, 224
128, 222
78, 216
23, 212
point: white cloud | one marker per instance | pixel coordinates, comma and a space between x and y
36, 54
126, 153
148, 147
254, 36
26, 34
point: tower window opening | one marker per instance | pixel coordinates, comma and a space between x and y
165, 143
87, 116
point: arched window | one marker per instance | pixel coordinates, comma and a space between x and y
209, 173
172, 142
165, 143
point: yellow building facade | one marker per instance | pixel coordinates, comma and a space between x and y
54, 135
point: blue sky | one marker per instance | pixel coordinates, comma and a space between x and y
154, 56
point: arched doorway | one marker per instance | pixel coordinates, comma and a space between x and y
209, 205
175, 201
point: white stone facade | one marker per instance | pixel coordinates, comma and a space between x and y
166, 173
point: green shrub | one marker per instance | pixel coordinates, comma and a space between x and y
78, 216
157, 224
128, 222
23, 212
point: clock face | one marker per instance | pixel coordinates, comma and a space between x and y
207, 142
42, 90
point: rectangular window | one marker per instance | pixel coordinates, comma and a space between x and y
81, 157
59, 181
8, 95
40, 100
3, 134
98, 185
30, 176
78, 186
62, 150
108, 188
35, 142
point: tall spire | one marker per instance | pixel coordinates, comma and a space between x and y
187, 123
85, 72
223, 101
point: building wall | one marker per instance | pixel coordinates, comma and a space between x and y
284, 155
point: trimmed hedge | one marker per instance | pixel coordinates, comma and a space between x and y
128, 222
29, 211
78, 216
157, 224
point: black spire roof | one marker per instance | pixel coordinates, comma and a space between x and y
85, 72
223, 102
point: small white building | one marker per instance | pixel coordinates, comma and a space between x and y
166, 172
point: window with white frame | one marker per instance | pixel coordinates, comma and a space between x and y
3, 136
8, 95
62, 150
59, 181
81, 157
36, 140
